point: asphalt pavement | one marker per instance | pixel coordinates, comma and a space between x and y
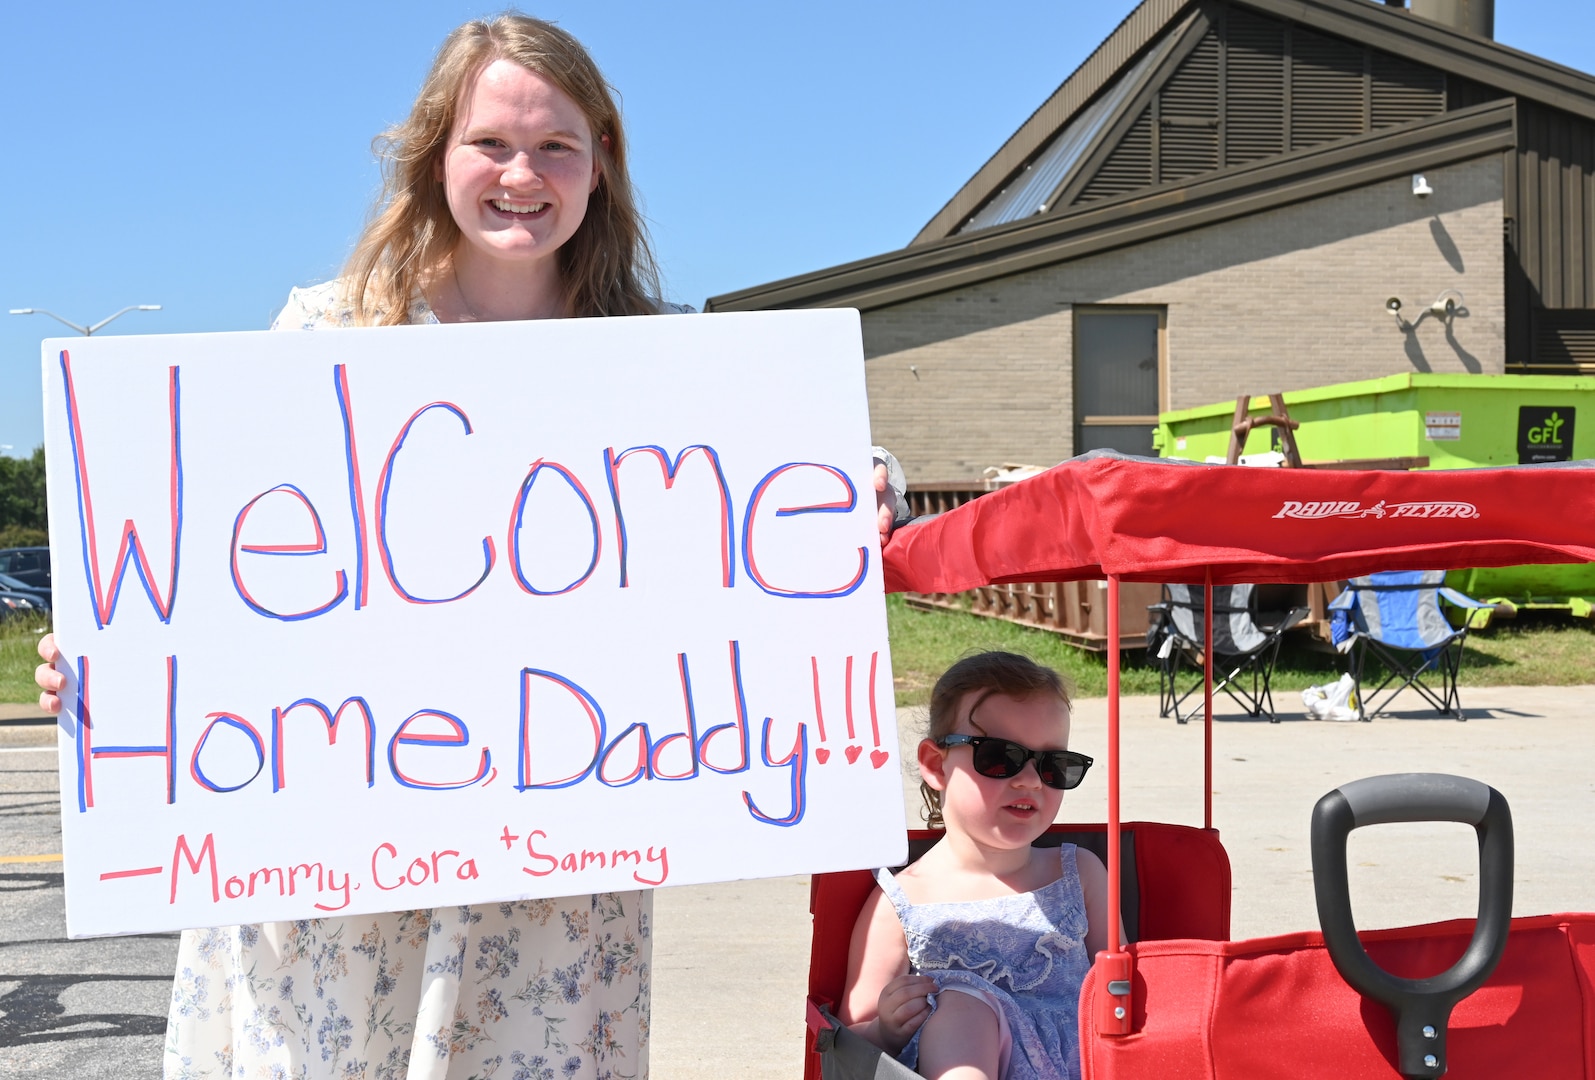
730, 960
94, 1008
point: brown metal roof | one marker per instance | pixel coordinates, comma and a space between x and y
929, 268
1128, 39
1394, 30
1426, 42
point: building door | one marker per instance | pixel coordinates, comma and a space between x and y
1118, 378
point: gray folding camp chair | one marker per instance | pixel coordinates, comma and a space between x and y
1244, 649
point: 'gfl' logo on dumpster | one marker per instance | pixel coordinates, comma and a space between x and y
1544, 433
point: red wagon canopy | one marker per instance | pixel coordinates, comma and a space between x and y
1144, 519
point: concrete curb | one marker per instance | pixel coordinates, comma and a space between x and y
29, 713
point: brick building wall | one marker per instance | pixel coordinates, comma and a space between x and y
1282, 300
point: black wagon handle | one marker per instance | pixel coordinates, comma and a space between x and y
1421, 1007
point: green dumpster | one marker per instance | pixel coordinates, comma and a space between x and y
1453, 421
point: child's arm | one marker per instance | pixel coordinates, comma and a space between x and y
1094, 886
880, 1000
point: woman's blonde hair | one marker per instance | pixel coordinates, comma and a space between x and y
985, 674
606, 267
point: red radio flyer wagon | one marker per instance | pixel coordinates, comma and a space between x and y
1179, 999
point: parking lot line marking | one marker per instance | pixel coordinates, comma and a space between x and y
29, 858
26, 749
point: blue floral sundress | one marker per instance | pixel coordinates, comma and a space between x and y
1025, 954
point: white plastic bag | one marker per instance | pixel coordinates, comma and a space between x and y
1332, 701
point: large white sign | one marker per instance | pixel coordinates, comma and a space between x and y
377, 619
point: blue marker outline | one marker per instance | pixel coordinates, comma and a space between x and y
793, 511
384, 486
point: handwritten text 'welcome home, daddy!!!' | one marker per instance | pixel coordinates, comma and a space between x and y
376, 619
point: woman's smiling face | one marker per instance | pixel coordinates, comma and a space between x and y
519, 166
1001, 812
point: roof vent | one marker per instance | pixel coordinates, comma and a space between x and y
1469, 16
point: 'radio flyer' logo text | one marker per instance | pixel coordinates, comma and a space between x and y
1315, 511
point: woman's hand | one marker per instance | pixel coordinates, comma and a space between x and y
891, 493
885, 504
904, 1006
51, 681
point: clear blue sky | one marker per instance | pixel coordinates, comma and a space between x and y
207, 156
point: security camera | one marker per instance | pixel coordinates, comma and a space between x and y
1420, 186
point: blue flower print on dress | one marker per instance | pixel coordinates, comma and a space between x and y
1024, 954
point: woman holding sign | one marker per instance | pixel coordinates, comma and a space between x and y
506, 196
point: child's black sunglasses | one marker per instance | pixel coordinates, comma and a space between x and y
1002, 758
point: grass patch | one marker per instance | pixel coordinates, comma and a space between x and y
19, 655
1533, 650
924, 643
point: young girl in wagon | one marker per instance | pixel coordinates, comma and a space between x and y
968, 963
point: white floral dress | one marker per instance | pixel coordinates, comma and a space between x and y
533, 990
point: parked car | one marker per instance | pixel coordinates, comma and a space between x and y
37, 598
16, 604
30, 565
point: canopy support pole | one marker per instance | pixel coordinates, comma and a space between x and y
1207, 700
1115, 966
1113, 762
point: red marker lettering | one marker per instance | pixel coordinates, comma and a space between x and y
663, 859
393, 853
344, 888
207, 852
553, 863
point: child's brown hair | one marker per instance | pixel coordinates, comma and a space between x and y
1003, 673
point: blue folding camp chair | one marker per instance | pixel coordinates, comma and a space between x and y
1245, 645
1396, 616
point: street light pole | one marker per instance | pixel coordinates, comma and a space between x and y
86, 331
